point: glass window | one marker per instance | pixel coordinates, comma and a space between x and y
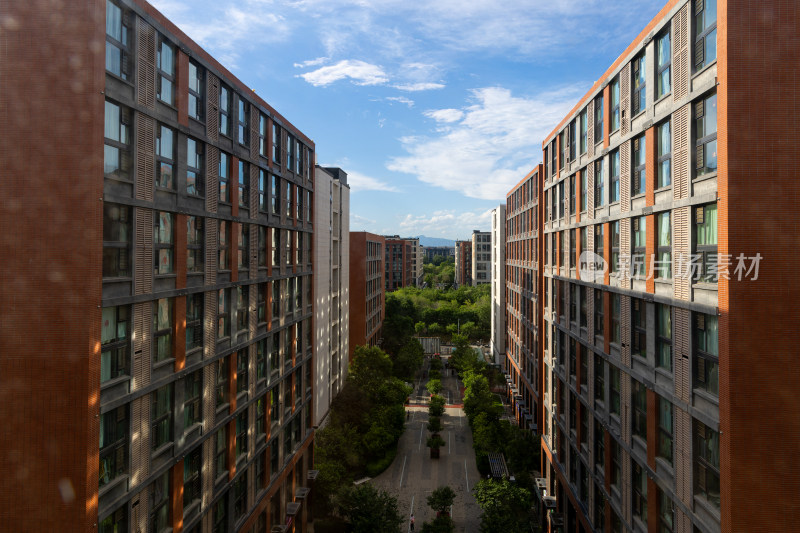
572, 195
242, 310
639, 494
165, 157
705, 32
195, 244
243, 243
663, 264
614, 267
639, 403
161, 416
262, 136
244, 184
196, 91
221, 459
705, 114
195, 178
663, 63
116, 522
276, 143
242, 123
584, 130
598, 312
599, 378
706, 353
289, 199
162, 329
222, 382
615, 104
116, 240
613, 160
706, 463
276, 194
639, 178
159, 504
242, 364
114, 429
163, 243
665, 429
598, 119
639, 327
666, 513
240, 495
115, 343
222, 246
262, 190
664, 155
224, 111
705, 241
664, 336
638, 240
193, 399
165, 64
615, 314
638, 99
224, 165
241, 434
599, 181
117, 156
584, 192
117, 32
616, 464
192, 488
224, 314
262, 246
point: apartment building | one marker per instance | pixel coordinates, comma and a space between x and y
367, 303
331, 286
463, 263
667, 239
169, 382
497, 342
444, 251
417, 257
398, 263
523, 309
481, 257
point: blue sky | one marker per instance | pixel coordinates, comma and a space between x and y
435, 109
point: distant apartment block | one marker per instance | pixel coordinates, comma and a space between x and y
481, 257
168, 386
417, 257
367, 302
463, 265
444, 251
331, 286
497, 342
398, 263
523, 311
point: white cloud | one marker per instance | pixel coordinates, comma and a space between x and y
357, 220
312, 62
421, 86
359, 72
444, 115
488, 149
359, 183
401, 100
446, 223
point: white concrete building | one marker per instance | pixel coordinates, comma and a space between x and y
481, 257
498, 340
331, 286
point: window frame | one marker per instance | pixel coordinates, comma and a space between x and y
241, 435
704, 141
221, 454
192, 400
599, 318
121, 43
616, 308
638, 246
243, 246
194, 321
614, 173
276, 143
703, 463
162, 410
663, 66
243, 122
196, 92
639, 166
638, 491
706, 253
584, 130
195, 244
663, 245
664, 154
195, 170
116, 225
599, 183
639, 328
701, 35
223, 178
223, 314
115, 352
704, 362
165, 77
163, 243
192, 488
118, 436
638, 410
664, 338
638, 84
165, 157
120, 141
224, 108
164, 334
160, 495
615, 104
665, 447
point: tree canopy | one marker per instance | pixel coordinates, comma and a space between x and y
505, 506
369, 510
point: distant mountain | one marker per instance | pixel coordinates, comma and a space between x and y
435, 241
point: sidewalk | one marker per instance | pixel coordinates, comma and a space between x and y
414, 475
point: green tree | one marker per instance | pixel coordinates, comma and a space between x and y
409, 359
505, 506
435, 329
434, 386
436, 406
368, 510
378, 439
434, 424
371, 367
420, 328
440, 524
478, 398
441, 499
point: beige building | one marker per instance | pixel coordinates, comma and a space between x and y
481, 257
498, 280
331, 286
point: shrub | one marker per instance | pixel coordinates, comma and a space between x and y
434, 386
435, 424
436, 406
375, 468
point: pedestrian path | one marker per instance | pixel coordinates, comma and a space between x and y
414, 475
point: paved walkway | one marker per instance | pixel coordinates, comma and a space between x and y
414, 475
